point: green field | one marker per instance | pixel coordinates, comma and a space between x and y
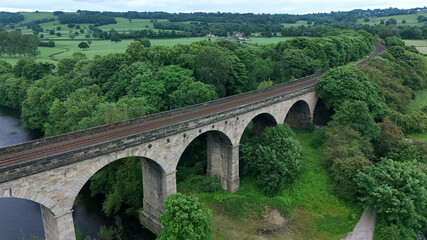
411, 20
102, 48
266, 41
31, 16
421, 45
123, 25
297, 24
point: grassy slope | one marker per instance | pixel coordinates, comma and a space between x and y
316, 213
411, 20
421, 45
416, 104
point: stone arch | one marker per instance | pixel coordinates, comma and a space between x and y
222, 158
299, 114
259, 123
17, 213
55, 219
321, 114
27, 194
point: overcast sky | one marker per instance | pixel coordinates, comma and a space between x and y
241, 6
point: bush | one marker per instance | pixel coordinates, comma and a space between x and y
273, 159
184, 219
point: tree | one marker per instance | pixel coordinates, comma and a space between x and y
355, 114
399, 193
72, 35
190, 93
273, 158
123, 188
389, 139
185, 219
83, 45
347, 83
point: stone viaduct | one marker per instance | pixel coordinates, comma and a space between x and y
52, 171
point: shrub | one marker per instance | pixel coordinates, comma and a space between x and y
184, 219
273, 158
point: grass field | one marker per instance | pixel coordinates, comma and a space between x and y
421, 45
297, 24
315, 212
123, 25
31, 16
411, 20
266, 41
102, 48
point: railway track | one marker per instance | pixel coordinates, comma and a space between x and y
378, 48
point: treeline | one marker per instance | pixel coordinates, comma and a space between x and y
195, 29
7, 17
15, 43
319, 30
86, 17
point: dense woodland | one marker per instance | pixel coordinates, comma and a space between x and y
367, 159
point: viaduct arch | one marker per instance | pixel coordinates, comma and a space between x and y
52, 171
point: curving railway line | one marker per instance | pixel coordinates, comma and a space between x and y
31, 151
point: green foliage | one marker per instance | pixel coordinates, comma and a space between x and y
125, 108
294, 63
12, 90
30, 69
265, 84
349, 84
121, 183
83, 45
398, 192
415, 122
198, 183
389, 139
185, 219
64, 116
346, 152
190, 93
355, 114
390, 78
273, 159
394, 41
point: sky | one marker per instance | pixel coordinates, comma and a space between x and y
240, 6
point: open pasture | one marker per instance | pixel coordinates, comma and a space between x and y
421, 45
411, 20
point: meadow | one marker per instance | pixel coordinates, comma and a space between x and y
421, 45
411, 20
297, 24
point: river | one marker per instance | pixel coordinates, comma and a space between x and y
21, 219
